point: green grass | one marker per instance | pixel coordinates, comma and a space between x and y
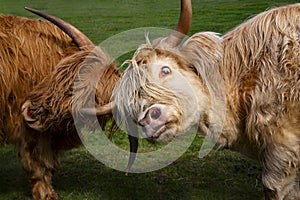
221, 175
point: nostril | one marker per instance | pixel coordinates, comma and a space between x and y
155, 113
152, 115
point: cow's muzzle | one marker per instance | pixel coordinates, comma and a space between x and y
153, 122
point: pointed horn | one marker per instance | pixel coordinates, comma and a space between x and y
99, 110
134, 143
78, 37
184, 24
132, 132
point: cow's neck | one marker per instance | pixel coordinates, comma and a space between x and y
234, 135
225, 124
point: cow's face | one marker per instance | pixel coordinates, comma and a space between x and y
162, 93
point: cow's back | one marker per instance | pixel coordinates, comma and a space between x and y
29, 50
261, 69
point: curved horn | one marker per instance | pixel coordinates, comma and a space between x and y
99, 110
33, 123
183, 25
79, 38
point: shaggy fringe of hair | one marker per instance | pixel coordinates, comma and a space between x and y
135, 79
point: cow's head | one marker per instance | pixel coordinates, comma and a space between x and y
164, 89
80, 84
157, 90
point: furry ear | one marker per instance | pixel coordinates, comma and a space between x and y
204, 51
31, 121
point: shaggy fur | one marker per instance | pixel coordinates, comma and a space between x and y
54, 101
246, 85
24, 45
39, 64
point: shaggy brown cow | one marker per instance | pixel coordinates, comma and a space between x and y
241, 89
39, 65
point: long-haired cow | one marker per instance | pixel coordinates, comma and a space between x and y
242, 90
39, 65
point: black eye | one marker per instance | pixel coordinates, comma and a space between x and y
165, 70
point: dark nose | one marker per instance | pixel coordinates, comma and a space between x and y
153, 114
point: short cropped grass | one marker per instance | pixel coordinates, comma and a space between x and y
220, 175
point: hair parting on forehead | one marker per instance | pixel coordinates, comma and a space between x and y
134, 87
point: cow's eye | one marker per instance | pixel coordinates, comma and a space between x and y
165, 70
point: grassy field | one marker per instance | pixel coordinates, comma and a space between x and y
221, 175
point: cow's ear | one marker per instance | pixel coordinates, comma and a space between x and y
31, 121
204, 51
